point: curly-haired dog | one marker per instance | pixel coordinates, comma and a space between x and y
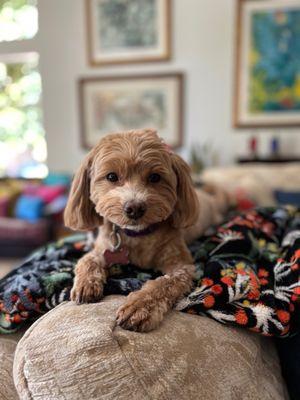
142, 196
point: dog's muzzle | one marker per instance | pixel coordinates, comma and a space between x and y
134, 210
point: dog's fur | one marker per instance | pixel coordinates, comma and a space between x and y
177, 210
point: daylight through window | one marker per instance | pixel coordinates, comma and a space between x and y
22, 139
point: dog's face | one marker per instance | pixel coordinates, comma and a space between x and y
134, 181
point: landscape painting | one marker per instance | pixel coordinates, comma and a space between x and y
125, 103
268, 87
121, 31
122, 27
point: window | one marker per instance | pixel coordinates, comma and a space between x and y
18, 19
22, 139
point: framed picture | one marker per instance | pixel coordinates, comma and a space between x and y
110, 104
127, 31
268, 64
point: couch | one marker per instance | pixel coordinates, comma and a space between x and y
258, 181
31, 213
77, 352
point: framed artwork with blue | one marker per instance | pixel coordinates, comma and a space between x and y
267, 75
128, 31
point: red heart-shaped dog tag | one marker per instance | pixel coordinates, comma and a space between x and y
120, 256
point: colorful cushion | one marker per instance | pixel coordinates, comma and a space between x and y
287, 197
29, 208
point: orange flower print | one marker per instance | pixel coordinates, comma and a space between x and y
217, 289
254, 283
263, 281
207, 282
253, 295
295, 259
241, 317
294, 297
240, 268
241, 272
209, 301
79, 245
283, 316
17, 318
294, 267
297, 290
263, 273
297, 254
227, 280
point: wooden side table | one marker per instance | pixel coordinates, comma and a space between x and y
246, 160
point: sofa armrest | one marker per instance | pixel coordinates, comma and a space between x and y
76, 352
8, 346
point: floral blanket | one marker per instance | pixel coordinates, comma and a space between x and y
247, 275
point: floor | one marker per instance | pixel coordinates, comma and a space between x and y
6, 265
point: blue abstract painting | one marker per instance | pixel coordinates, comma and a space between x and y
274, 84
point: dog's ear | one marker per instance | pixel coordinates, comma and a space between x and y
80, 214
187, 206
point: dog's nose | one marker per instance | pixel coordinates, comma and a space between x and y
134, 210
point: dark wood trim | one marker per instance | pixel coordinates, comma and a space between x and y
237, 80
269, 160
280, 125
180, 77
237, 69
82, 114
135, 59
88, 30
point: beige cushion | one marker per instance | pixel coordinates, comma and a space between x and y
75, 352
8, 344
257, 180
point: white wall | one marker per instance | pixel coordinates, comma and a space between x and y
203, 38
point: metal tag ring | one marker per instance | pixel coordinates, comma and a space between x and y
115, 237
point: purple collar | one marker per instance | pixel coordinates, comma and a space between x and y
132, 233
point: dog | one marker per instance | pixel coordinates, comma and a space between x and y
142, 197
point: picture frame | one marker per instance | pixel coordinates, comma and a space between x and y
128, 31
118, 103
267, 83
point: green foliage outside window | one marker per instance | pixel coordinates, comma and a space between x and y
22, 139
18, 19
21, 130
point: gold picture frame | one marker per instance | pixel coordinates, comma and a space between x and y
136, 32
118, 103
267, 90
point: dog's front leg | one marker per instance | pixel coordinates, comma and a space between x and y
90, 276
145, 309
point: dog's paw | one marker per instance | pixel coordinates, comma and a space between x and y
141, 313
87, 292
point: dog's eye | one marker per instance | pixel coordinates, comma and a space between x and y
112, 177
154, 178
